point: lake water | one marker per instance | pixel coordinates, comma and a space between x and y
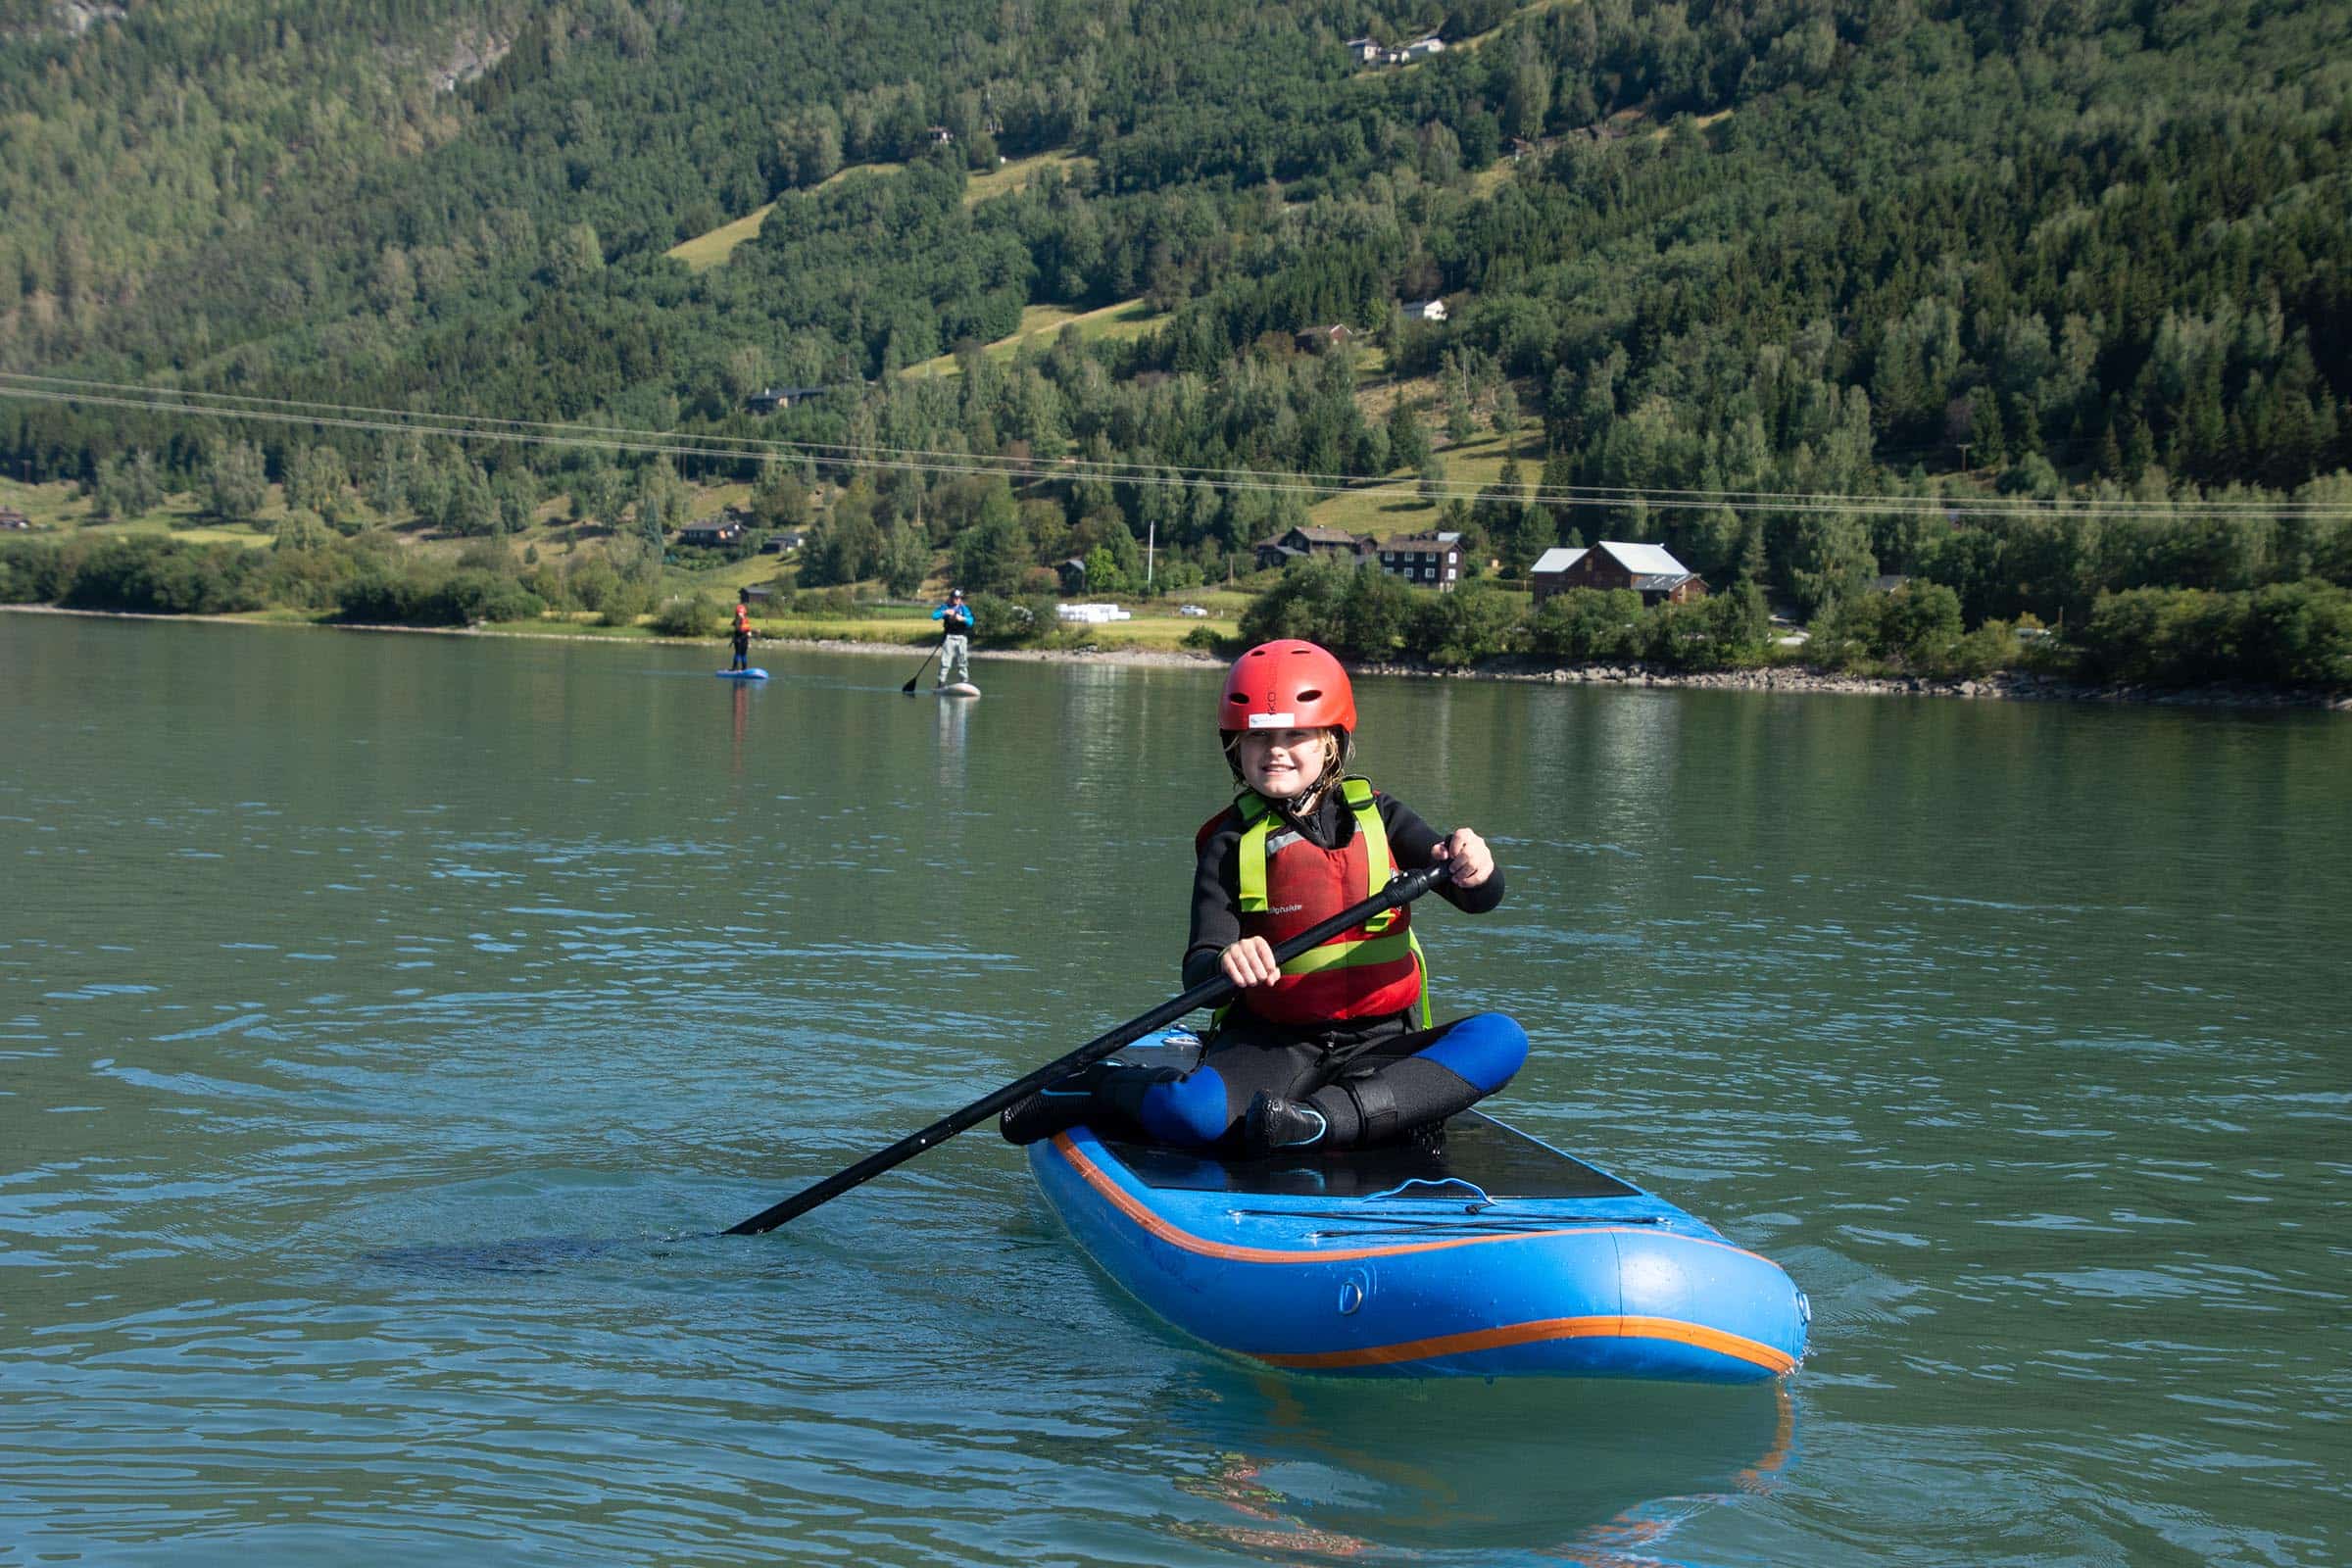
385, 1021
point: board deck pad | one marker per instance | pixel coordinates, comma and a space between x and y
1499, 1160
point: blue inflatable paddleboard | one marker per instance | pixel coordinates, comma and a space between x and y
1494, 1255
741, 674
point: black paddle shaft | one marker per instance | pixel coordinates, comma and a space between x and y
1402, 889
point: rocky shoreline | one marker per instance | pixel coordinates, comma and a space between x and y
2008, 685
1784, 679
2002, 685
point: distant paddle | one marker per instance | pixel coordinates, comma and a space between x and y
1402, 889
907, 690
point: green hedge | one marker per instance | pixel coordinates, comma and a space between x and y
2289, 634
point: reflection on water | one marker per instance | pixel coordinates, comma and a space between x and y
1510, 1472
388, 1023
740, 705
954, 719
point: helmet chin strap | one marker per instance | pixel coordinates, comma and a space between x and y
1342, 751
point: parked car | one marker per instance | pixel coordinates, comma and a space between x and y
1190, 609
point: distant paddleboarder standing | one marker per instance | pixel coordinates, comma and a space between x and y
743, 631
955, 641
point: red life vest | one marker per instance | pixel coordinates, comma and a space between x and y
1289, 885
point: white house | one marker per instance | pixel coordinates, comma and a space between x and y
1421, 49
1425, 310
1364, 51
1093, 614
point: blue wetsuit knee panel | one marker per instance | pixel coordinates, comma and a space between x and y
1484, 1050
1187, 1112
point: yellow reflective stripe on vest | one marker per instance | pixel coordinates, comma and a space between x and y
1252, 864
1421, 965
1344, 954
1377, 860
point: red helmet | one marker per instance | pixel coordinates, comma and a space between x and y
1288, 684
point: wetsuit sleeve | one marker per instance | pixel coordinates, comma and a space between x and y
1217, 911
1410, 841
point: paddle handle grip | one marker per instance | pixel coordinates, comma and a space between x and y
1402, 889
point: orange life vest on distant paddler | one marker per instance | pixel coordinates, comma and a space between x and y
1287, 885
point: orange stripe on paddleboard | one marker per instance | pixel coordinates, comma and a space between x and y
1611, 1326
1127, 1204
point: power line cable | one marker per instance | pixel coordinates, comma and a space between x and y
622, 439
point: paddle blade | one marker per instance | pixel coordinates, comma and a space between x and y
907, 690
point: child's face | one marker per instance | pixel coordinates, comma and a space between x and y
1280, 763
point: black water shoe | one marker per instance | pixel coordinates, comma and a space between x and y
1275, 1125
1057, 1108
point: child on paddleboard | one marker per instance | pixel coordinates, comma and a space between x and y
1333, 1049
743, 631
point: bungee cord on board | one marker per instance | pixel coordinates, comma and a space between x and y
28, 386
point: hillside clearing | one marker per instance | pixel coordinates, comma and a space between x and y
705, 251
1396, 506
1041, 323
1018, 174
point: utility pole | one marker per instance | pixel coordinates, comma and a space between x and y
1151, 543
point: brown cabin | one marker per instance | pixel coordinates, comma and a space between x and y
1646, 569
713, 532
1312, 542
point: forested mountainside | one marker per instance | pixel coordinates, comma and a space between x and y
1704, 262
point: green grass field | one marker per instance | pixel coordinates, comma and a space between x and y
1396, 506
1492, 178
62, 508
1479, 40
705, 251
1040, 323
1017, 174
1156, 631
842, 176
